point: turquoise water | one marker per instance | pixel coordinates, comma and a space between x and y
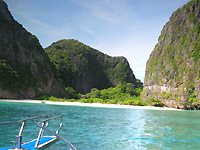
90, 128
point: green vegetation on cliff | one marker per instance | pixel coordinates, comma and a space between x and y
15, 79
71, 68
25, 69
124, 94
83, 68
173, 66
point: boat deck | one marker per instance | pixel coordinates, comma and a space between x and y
41, 142
45, 142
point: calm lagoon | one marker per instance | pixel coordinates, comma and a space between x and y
92, 128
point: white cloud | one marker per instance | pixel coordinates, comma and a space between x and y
112, 11
127, 42
40, 28
128, 28
87, 30
31, 19
19, 6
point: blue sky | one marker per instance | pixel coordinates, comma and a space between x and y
128, 28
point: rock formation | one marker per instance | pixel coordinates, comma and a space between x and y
172, 71
83, 68
25, 69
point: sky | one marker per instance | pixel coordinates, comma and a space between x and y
128, 28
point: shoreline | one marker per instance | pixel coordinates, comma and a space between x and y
90, 104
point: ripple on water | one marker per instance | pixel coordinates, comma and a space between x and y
90, 128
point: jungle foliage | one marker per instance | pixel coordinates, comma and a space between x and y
123, 94
82, 67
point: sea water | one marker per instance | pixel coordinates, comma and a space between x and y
91, 128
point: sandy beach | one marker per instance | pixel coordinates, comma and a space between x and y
90, 104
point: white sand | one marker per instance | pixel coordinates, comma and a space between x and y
91, 104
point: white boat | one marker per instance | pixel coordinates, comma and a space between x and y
41, 142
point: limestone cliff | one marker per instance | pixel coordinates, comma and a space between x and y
25, 69
172, 71
83, 68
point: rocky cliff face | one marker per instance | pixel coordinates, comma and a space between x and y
25, 69
83, 68
172, 71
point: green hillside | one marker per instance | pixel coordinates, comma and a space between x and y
83, 68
